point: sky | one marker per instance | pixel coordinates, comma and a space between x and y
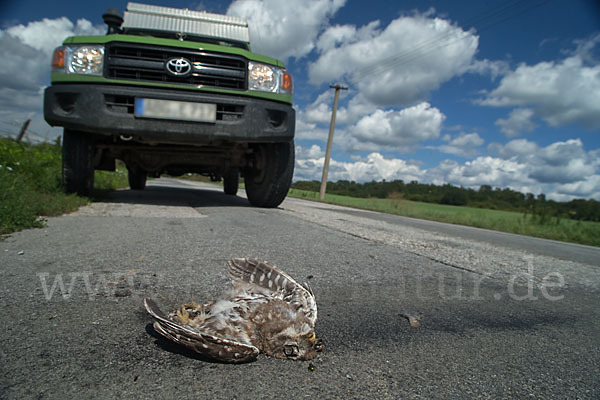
504, 93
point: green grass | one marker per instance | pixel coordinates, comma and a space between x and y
30, 185
562, 229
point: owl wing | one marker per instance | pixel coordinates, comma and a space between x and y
212, 346
265, 276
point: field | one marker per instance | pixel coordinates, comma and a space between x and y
561, 229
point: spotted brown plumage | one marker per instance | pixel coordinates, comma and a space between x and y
265, 311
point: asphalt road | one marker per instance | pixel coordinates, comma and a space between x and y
532, 245
501, 316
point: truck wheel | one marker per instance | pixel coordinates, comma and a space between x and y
231, 181
268, 182
137, 178
78, 162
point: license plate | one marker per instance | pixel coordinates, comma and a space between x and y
178, 110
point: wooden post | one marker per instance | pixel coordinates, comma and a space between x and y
23, 130
337, 88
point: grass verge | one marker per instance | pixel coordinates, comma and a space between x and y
566, 230
30, 185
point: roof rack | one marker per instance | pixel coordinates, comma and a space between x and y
183, 22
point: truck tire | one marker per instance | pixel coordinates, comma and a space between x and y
137, 178
78, 162
268, 182
231, 181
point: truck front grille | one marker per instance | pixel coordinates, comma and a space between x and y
148, 64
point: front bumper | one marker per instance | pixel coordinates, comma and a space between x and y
109, 110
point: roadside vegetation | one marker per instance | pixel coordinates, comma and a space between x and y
523, 223
31, 189
486, 197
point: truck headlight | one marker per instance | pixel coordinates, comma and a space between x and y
85, 60
268, 78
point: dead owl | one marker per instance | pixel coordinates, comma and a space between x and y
265, 311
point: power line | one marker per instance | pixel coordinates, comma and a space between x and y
12, 123
485, 21
437, 42
434, 43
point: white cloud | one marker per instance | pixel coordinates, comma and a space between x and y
395, 130
284, 29
483, 170
519, 148
562, 170
376, 167
361, 126
563, 162
23, 73
310, 169
584, 48
519, 121
357, 108
562, 92
319, 111
47, 34
399, 64
558, 163
486, 67
464, 145
313, 152
309, 130
343, 34
373, 167
588, 188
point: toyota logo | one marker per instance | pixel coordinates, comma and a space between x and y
179, 67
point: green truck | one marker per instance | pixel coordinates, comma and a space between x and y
171, 91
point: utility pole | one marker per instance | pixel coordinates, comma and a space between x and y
337, 88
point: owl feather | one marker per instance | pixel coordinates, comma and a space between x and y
261, 274
210, 345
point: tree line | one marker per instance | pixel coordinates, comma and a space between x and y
485, 197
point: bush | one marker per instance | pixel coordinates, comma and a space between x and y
454, 197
